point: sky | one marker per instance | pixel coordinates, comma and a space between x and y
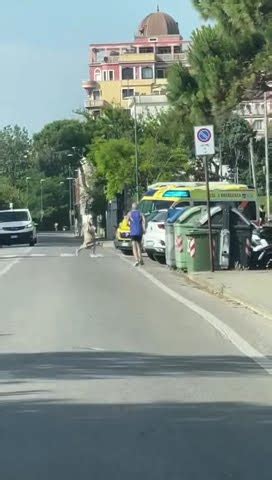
44, 50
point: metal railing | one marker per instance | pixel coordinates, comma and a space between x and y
91, 103
163, 57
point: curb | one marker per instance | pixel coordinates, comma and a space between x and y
219, 292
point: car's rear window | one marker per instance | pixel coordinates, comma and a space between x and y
160, 217
12, 216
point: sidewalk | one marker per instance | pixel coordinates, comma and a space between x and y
252, 289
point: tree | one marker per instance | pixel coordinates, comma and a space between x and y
185, 95
248, 24
115, 161
161, 162
225, 61
60, 145
9, 194
55, 200
115, 123
234, 142
237, 17
15, 146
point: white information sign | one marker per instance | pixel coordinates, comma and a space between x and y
204, 140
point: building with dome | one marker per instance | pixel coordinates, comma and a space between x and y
122, 72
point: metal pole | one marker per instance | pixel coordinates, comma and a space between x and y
220, 160
70, 203
41, 201
236, 171
267, 170
136, 151
27, 193
253, 170
209, 212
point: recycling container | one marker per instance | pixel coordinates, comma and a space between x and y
189, 219
198, 250
170, 253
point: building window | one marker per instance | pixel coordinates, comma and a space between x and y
105, 76
163, 50
111, 75
127, 73
177, 49
161, 73
127, 92
147, 73
96, 94
258, 125
97, 75
146, 50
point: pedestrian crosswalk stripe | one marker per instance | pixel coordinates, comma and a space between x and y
37, 255
24, 255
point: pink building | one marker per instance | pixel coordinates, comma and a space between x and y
119, 71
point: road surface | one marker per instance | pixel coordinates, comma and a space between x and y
112, 372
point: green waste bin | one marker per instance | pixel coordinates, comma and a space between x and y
189, 219
198, 250
180, 247
170, 255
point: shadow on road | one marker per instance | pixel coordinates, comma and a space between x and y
58, 240
156, 441
88, 365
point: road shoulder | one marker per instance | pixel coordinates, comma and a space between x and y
249, 289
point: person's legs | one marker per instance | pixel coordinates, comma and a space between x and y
135, 252
93, 249
139, 252
82, 247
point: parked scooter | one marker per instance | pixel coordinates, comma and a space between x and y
261, 258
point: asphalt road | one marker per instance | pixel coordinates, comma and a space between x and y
112, 372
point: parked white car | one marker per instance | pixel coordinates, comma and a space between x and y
154, 238
17, 228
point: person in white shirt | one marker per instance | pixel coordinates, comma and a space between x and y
89, 236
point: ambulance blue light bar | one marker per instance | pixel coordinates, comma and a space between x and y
176, 194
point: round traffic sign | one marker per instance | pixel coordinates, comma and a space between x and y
204, 135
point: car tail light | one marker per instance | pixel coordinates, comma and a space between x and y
161, 226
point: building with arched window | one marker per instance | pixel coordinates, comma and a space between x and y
119, 71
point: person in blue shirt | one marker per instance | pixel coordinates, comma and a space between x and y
137, 229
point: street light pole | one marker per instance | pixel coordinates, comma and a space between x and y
136, 151
267, 169
207, 180
70, 179
41, 183
27, 191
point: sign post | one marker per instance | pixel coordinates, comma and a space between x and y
204, 146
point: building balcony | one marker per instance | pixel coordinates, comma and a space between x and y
144, 57
95, 104
172, 57
254, 109
89, 84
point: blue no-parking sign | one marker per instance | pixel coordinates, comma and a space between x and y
204, 140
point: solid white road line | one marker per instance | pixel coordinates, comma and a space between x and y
67, 255
227, 332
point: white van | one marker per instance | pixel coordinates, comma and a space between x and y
17, 228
